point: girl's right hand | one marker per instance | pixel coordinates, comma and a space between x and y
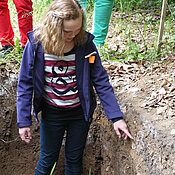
25, 134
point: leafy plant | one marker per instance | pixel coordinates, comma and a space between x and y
133, 53
14, 56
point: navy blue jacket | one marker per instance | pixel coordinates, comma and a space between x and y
31, 82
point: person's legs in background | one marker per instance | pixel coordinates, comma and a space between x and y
83, 4
102, 14
25, 18
6, 31
101, 18
25, 22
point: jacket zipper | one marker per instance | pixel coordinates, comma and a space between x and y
33, 76
88, 117
82, 78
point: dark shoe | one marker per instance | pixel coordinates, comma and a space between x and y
5, 50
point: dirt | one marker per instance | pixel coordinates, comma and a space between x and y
146, 96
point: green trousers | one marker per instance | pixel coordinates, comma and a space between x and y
101, 18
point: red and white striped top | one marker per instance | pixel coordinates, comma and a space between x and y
60, 87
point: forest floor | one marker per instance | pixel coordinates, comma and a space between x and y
150, 91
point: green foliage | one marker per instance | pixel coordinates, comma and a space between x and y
39, 8
138, 32
171, 9
135, 22
133, 53
90, 5
129, 5
14, 56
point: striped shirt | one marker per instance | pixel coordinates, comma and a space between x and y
60, 87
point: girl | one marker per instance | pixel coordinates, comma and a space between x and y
59, 68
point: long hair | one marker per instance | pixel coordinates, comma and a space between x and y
50, 30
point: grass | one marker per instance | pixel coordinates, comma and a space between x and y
132, 35
130, 5
136, 35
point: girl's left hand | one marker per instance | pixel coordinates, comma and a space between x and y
121, 129
25, 134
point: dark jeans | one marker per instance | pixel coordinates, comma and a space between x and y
51, 136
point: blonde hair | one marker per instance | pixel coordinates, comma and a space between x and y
50, 30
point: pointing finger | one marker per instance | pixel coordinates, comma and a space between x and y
127, 133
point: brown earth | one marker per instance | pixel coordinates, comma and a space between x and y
146, 96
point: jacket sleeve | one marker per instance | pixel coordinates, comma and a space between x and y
25, 88
100, 80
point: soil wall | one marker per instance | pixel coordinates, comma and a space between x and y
151, 153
